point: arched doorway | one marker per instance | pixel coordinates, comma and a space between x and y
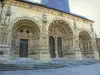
52, 46
85, 44
62, 34
25, 38
59, 45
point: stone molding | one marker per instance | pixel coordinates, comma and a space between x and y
48, 10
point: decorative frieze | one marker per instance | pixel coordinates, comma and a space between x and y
48, 10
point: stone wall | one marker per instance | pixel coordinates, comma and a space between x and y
50, 23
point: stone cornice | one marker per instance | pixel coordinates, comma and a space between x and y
48, 10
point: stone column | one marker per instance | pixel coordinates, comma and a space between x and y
9, 41
0, 35
56, 48
64, 46
77, 51
94, 48
44, 46
3, 44
71, 44
88, 46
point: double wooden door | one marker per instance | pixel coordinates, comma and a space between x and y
23, 48
52, 46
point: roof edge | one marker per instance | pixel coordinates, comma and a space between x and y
54, 9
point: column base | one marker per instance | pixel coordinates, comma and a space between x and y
78, 55
4, 52
45, 56
96, 55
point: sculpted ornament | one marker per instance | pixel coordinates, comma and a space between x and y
44, 18
75, 26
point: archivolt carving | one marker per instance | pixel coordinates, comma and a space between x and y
60, 19
24, 18
60, 27
83, 29
85, 43
25, 29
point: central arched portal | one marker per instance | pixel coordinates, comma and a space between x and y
25, 38
59, 33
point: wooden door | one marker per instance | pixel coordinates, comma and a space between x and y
23, 48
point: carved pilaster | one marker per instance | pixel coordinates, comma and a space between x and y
56, 47
94, 49
76, 47
44, 46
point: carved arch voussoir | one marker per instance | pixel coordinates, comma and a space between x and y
60, 20
24, 18
83, 29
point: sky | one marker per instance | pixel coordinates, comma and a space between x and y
88, 8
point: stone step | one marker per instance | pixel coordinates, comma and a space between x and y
7, 67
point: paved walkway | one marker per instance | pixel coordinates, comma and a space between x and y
76, 70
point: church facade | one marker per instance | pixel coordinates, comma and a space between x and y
41, 33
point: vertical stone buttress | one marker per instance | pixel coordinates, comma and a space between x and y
44, 44
76, 48
94, 47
